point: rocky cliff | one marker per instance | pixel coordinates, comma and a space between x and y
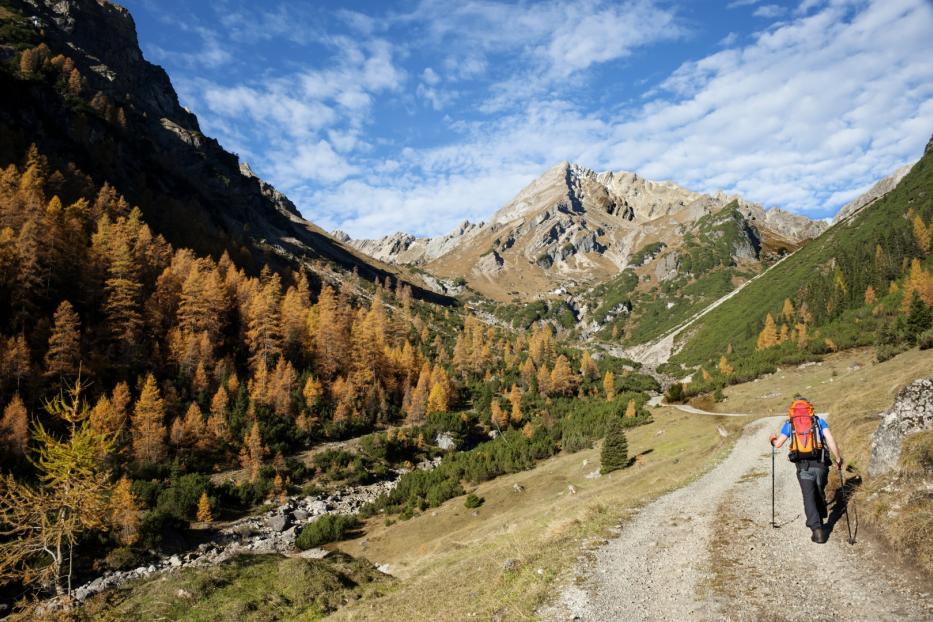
911, 413
117, 117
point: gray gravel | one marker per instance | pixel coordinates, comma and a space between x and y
707, 552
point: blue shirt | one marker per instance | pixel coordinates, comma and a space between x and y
787, 429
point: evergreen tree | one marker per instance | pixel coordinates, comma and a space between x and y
614, 453
919, 316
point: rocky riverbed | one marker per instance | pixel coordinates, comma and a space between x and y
273, 531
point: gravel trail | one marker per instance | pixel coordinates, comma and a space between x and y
708, 552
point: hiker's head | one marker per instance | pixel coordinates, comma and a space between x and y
798, 396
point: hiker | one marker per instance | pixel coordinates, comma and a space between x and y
810, 437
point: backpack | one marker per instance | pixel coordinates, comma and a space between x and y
806, 439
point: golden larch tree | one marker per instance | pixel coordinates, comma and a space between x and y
609, 386
870, 295
631, 409
515, 399
252, 453
724, 367
64, 353
148, 424
922, 234
124, 512
499, 417
787, 311
768, 336
563, 381
14, 427
204, 509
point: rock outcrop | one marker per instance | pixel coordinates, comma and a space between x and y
912, 412
881, 188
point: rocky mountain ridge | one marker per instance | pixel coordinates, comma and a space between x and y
120, 121
881, 188
575, 226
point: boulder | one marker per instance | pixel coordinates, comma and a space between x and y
912, 412
277, 522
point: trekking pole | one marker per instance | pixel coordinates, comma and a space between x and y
773, 523
845, 499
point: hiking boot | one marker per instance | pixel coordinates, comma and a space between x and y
818, 536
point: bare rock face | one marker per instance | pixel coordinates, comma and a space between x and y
572, 224
877, 191
912, 412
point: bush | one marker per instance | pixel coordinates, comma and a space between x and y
675, 393
615, 448
886, 352
328, 528
925, 340
472, 501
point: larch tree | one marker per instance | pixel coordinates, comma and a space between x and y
499, 417
609, 386
14, 427
768, 336
515, 399
252, 453
563, 381
264, 334
123, 292
787, 311
64, 353
922, 234
204, 509
124, 512
148, 424
724, 367
631, 410
870, 295
39, 526
588, 368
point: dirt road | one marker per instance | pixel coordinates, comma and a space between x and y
708, 552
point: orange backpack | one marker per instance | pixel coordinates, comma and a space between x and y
806, 440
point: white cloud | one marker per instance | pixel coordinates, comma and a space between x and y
430, 77
804, 117
769, 11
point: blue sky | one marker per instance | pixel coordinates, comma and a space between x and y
375, 117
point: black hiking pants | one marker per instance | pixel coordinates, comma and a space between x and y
812, 476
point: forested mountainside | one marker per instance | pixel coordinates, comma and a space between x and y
172, 366
867, 280
77, 86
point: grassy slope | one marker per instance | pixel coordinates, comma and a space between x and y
250, 588
453, 565
739, 320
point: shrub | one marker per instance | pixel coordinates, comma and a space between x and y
925, 340
675, 393
472, 501
615, 448
328, 528
886, 352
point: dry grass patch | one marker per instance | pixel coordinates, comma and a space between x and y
502, 558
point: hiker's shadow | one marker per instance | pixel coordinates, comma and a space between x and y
840, 505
